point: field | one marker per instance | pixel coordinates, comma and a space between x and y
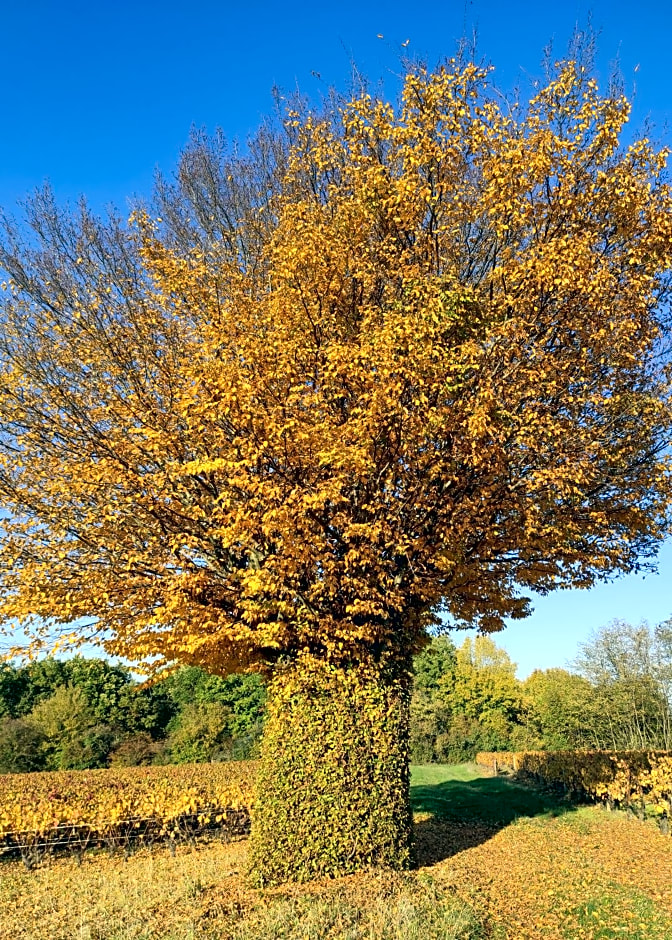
496, 860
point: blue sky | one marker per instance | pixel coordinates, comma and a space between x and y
97, 95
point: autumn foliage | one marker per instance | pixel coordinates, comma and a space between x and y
334, 759
401, 360
69, 811
638, 780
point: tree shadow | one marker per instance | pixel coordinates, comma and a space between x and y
467, 813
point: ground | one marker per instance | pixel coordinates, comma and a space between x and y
495, 860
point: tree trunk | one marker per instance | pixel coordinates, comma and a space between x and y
333, 786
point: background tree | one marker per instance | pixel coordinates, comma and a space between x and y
464, 700
629, 668
22, 746
73, 738
200, 733
240, 698
561, 712
38, 681
486, 693
416, 364
137, 750
437, 660
429, 717
12, 690
134, 719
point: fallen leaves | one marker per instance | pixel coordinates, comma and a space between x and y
583, 875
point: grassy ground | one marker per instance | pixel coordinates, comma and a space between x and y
497, 861
463, 792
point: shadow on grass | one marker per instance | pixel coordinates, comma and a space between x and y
466, 813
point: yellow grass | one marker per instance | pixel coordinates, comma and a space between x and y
200, 892
586, 875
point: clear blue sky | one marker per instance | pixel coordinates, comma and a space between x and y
96, 95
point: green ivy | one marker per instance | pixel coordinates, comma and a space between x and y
333, 785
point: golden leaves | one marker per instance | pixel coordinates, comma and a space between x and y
95, 805
583, 876
629, 779
433, 383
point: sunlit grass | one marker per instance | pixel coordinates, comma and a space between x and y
500, 861
465, 791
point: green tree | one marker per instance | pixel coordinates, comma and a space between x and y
116, 700
201, 732
429, 717
12, 690
562, 711
437, 659
40, 678
628, 667
243, 696
464, 700
485, 685
102, 684
22, 746
73, 737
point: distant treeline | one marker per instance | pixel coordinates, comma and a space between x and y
616, 697
83, 713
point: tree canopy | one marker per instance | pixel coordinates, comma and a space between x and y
398, 360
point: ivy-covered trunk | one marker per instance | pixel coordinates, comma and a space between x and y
333, 787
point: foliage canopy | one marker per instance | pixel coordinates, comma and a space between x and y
398, 360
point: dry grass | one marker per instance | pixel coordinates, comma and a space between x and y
152, 894
580, 875
201, 892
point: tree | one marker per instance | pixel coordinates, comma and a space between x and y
241, 696
38, 681
12, 690
562, 711
136, 750
21, 746
629, 669
397, 361
437, 659
483, 699
429, 716
201, 732
73, 737
116, 700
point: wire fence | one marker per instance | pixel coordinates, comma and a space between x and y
124, 834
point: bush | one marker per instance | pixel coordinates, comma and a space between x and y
137, 750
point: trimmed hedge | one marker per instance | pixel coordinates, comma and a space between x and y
617, 778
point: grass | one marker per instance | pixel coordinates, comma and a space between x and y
463, 792
499, 861
201, 893
596, 916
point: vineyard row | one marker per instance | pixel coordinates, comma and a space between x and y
75, 810
636, 780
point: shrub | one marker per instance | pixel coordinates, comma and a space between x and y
137, 750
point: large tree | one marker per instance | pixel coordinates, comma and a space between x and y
397, 360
